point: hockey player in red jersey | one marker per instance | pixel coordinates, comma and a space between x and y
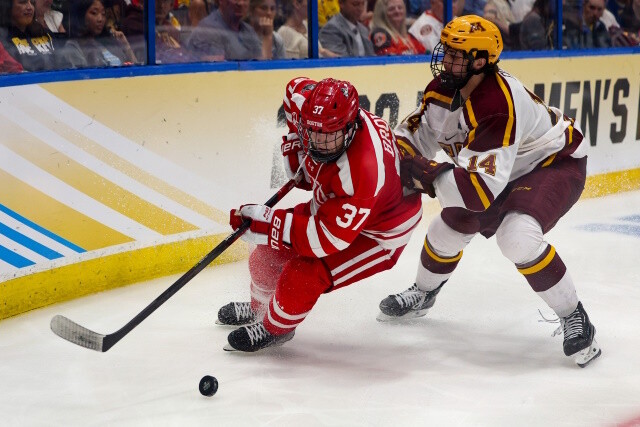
517, 166
356, 224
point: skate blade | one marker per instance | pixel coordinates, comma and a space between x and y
277, 343
410, 315
587, 355
228, 347
237, 325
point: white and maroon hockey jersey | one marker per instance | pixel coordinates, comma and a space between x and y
500, 133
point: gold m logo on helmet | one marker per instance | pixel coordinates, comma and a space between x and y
476, 26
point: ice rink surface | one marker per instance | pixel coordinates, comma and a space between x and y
482, 356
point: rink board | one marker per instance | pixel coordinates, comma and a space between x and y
110, 182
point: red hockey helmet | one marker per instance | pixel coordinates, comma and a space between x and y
329, 119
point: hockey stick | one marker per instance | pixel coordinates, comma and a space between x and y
72, 332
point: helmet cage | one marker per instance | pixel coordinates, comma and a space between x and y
450, 80
325, 147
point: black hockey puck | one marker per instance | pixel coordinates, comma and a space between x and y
208, 385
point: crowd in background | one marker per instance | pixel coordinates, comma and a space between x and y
59, 34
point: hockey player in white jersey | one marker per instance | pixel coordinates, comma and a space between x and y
517, 166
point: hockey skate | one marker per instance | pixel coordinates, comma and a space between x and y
254, 337
409, 304
236, 314
579, 337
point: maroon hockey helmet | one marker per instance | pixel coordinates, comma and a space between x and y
329, 119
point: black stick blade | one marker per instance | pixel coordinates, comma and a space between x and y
72, 332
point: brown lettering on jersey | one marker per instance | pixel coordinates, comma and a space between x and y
413, 123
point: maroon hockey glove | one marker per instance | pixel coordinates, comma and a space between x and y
267, 225
418, 173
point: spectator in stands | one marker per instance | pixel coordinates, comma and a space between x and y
168, 46
92, 44
8, 65
261, 16
51, 19
536, 30
499, 12
344, 34
630, 19
294, 31
198, 10
427, 28
520, 8
326, 10
26, 41
586, 30
389, 34
621, 37
223, 35
115, 13
474, 7
132, 24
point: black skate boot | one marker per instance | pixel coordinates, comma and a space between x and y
254, 337
579, 337
411, 303
236, 314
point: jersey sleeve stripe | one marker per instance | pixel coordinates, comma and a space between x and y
344, 173
481, 194
472, 121
508, 135
471, 189
336, 242
378, 150
314, 239
436, 98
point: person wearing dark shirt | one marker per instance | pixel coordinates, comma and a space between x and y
7, 63
586, 30
224, 35
28, 42
92, 44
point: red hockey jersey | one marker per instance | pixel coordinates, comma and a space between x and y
360, 193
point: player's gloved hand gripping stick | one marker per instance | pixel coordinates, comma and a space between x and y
72, 332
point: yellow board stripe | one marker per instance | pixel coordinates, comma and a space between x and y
539, 266
130, 169
57, 217
438, 258
483, 197
96, 187
40, 289
507, 95
72, 281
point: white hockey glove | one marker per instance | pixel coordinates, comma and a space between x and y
268, 226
